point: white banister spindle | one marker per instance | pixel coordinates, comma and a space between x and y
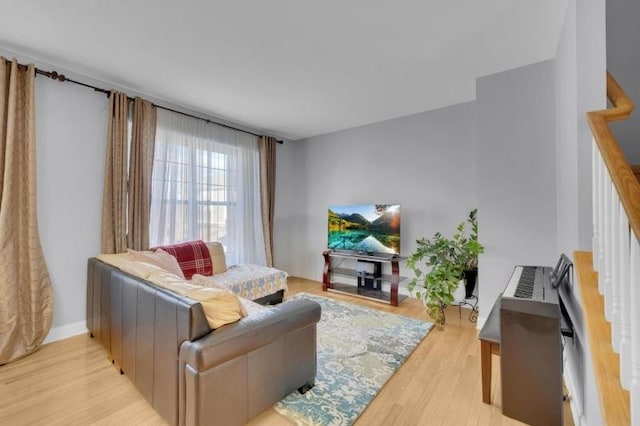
615, 270
625, 300
595, 168
635, 329
601, 220
608, 243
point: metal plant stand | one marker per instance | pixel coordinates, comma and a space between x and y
471, 302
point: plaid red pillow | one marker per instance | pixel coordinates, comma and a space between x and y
193, 257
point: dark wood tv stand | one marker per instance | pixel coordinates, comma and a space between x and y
368, 284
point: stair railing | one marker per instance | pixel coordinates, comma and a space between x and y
616, 240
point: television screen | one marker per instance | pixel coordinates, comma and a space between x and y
369, 228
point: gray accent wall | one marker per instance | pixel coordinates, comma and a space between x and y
623, 61
497, 153
516, 174
424, 162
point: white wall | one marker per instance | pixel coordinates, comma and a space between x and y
516, 175
591, 77
580, 87
424, 162
567, 194
71, 131
289, 217
566, 84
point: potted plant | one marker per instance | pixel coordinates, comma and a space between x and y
469, 248
447, 260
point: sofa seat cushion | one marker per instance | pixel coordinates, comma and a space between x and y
251, 307
248, 281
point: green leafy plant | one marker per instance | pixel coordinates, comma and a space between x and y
439, 263
469, 247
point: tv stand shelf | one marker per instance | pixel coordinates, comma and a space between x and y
368, 282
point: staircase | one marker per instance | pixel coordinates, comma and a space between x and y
609, 278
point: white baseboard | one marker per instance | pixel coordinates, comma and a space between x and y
576, 411
64, 331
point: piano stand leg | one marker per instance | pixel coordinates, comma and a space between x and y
485, 361
487, 348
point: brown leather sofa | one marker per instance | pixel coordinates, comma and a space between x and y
190, 374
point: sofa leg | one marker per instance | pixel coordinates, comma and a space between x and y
306, 387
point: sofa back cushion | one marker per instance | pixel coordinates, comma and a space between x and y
193, 257
218, 259
159, 258
221, 306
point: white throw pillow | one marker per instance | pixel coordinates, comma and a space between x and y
218, 259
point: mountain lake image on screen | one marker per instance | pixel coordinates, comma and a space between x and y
366, 228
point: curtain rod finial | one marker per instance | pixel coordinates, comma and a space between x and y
55, 76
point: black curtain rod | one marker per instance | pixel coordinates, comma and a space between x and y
54, 75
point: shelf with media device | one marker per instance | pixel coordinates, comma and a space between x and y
362, 278
361, 239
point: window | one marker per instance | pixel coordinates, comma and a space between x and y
206, 186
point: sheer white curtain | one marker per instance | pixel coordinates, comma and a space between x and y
206, 185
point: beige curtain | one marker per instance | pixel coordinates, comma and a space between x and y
140, 168
26, 297
267, 146
114, 196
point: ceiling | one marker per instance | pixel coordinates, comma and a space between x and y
290, 68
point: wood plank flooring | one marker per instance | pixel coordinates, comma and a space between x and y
71, 382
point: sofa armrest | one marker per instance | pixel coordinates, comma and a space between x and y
248, 334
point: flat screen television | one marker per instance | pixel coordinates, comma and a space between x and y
372, 229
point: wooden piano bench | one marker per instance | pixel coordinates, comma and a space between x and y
489, 345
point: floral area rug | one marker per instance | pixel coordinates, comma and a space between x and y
359, 349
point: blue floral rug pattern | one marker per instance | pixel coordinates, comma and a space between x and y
359, 349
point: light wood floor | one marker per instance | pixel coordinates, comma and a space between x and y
71, 382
